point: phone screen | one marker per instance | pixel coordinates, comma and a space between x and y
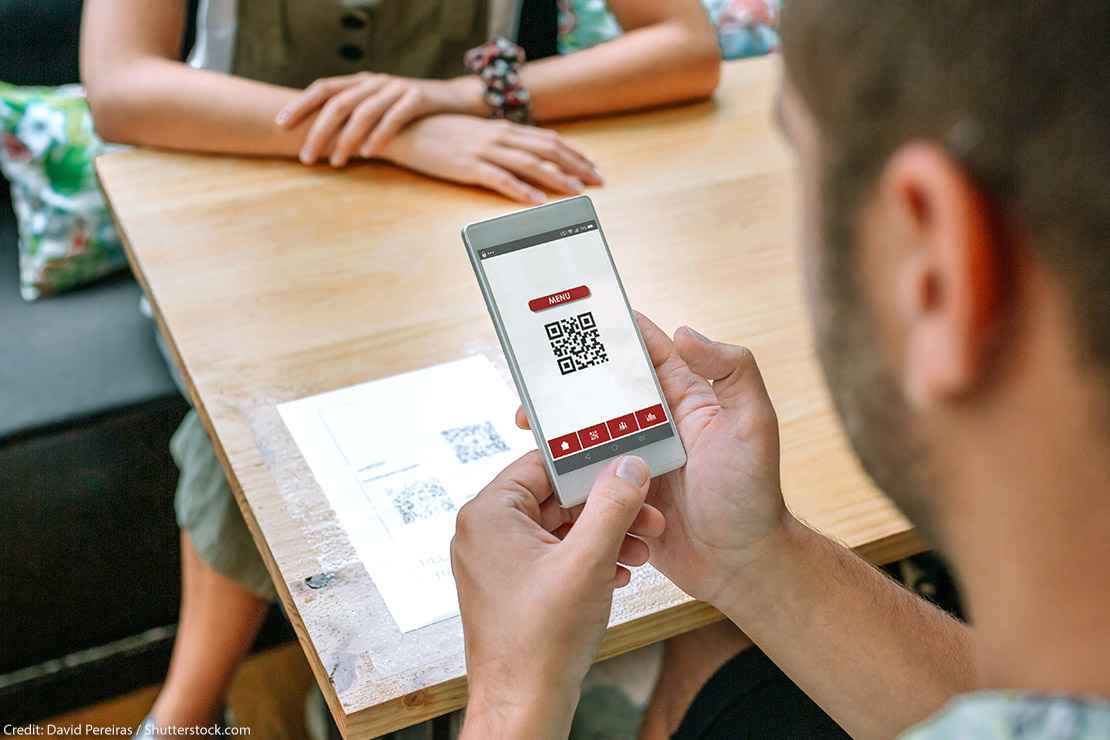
576, 347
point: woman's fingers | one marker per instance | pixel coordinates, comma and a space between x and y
362, 121
546, 134
551, 147
314, 96
500, 180
409, 107
334, 114
530, 167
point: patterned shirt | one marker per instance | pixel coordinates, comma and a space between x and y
992, 715
745, 28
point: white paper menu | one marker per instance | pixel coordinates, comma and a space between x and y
396, 459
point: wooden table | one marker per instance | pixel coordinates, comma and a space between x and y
274, 281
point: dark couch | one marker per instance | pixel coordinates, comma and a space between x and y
89, 584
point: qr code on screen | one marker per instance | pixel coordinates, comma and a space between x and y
422, 499
576, 343
475, 442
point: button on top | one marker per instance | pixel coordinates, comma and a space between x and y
355, 20
351, 53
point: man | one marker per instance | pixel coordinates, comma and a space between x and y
956, 217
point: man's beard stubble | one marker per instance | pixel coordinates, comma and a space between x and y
879, 423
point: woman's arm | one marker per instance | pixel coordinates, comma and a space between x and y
140, 94
668, 53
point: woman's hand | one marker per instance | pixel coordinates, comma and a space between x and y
514, 160
361, 113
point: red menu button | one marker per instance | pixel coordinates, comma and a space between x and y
622, 425
651, 416
594, 435
558, 299
568, 444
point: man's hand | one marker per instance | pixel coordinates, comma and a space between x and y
505, 157
730, 541
724, 508
535, 589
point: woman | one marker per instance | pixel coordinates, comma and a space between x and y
334, 81
298, 86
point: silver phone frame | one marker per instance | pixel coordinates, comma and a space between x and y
571, 488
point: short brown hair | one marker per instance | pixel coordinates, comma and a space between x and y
1019, 92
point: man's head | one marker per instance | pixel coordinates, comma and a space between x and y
955, 161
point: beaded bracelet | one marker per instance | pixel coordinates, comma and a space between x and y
497, 63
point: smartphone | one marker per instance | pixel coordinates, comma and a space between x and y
581, 368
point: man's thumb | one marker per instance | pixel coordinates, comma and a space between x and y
732, 369
614, 501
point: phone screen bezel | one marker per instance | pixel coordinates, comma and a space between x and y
662, 456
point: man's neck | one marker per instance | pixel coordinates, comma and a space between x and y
1028, 528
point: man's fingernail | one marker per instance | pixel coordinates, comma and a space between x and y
282, 117
305, 159
536, 196
577, 185
597, 175
699, 336
633, 469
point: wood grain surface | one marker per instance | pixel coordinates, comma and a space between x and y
273, 281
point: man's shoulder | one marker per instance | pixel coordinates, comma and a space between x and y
1017, 716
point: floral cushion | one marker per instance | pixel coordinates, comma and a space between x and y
66, 236
745, 28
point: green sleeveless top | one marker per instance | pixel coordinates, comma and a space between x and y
294, 42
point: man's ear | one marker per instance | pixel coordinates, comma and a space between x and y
950, 288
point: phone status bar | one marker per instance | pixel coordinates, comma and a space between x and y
531, 241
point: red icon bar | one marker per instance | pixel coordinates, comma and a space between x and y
651, 416
607, 431
568, 444
594, 435
622, 425
557, 299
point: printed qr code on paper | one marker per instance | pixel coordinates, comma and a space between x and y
576, 343
422, 499
475, 442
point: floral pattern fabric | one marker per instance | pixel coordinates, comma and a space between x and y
745, 28
66, 236
1017, 716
